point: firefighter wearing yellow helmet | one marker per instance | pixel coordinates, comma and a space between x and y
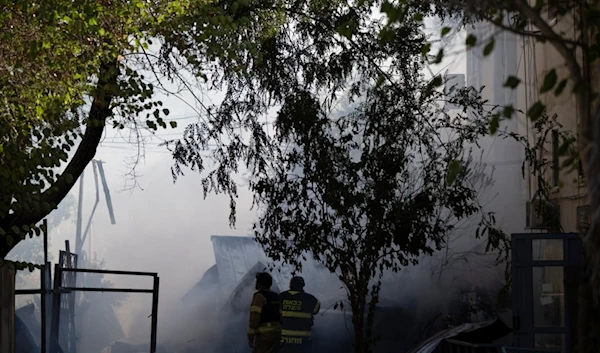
264, 330
297, 313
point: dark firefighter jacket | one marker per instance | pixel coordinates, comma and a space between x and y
265, 313
297, 311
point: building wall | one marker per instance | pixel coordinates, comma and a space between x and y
538, 60
504, 156
570, 191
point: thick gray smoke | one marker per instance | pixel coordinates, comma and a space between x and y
166, 228
162, 229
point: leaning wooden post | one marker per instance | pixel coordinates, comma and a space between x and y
7, 309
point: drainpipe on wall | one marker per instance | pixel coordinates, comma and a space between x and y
7, 310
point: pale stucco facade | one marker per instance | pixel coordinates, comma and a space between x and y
536, 60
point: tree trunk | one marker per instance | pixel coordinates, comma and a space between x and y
358, 303
588, 324
99, 112
360, 342
7, 309
588, 335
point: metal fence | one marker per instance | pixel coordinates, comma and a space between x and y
62, 306
60, 288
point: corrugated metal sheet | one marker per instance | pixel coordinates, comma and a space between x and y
208, 282
241, 296
235, 256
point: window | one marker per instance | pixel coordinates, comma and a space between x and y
554, 342
547, 250
548, 296
555, 158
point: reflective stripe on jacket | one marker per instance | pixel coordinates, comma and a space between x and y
264, 328
297, 314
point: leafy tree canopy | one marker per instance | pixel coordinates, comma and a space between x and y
365, 191
69, 68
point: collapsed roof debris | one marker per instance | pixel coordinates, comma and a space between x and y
27, 328
486, 332
237, 257
225, 290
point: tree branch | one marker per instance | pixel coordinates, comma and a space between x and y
557, 41
537, 34
99, 112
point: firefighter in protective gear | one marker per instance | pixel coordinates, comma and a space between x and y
297, 313
264, 330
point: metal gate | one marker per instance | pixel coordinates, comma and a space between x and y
546, 273
68, 275
63, 306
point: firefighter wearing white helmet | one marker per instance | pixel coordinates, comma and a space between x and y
297, 316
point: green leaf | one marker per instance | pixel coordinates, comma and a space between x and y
508, 112
173, 124
101, 31
380, 81
536, 111
564, 147
549, 81
10, 240
418, 17
512, 82
494, 124
453, 171
166, 111
566, 163
487, 50
437, 81
345, 30
439, 57
151, 124
471, 40
394, 13
445, 31
426, 49
15, 229
559, 89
